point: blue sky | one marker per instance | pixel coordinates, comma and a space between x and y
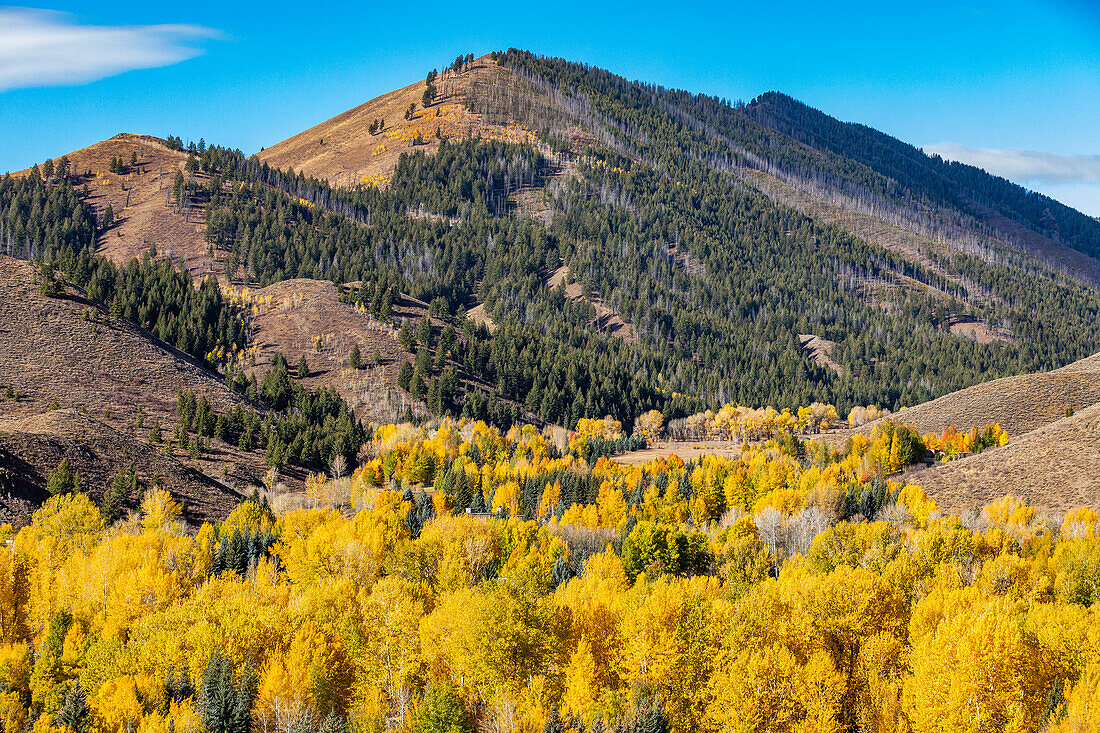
1012, 85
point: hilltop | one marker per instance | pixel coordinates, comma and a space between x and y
142, 200
345, 152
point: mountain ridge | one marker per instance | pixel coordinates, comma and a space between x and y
715, 237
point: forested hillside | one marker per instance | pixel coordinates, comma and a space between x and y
927, 178
649, 214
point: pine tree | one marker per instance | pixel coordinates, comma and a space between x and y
246, 691
441, 711
178, 188
554, 722
223, 702
63, 479
74, 713
355, 357
119, 492
303, 367
650, 717
405, 376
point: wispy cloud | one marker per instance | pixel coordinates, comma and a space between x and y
1024, 166
48, 48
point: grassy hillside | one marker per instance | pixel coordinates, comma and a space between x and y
343, 151
142, 200
32, 447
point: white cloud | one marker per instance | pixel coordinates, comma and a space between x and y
48, 48
1024, 166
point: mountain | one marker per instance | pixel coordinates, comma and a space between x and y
345, 151
545, 241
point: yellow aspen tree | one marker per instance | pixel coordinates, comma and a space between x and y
159, 511
14, 595
582, 680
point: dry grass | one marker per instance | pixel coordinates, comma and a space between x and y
820, 350
607, 320
138, 201
301, 310
684, 449
981, 332
479, 315
342, 151
1056, 467
31, 447
68, 350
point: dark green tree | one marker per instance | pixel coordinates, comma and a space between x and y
63, 480
442, 711
404, 376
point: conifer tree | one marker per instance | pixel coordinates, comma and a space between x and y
74, 713
63, 479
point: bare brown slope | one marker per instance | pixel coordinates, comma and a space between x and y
607, 319
1019, 404
31, 448
67, 349
304, 317
137, 198
342, 151
1056, 467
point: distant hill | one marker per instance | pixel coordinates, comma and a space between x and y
909, 173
